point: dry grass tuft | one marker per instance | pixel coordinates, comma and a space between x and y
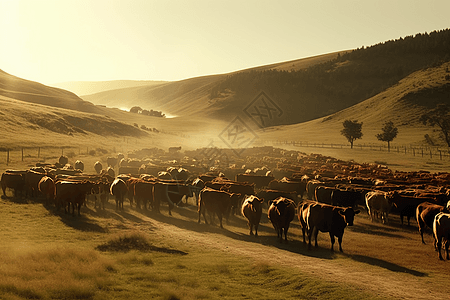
134, 241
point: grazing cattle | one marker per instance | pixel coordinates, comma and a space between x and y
270, 195
345, 198
119, 189
425, 213
176, 194
302, 216
160, 193
441, 231
72, 193
111, 161
311, 188
98, 167
281, 213
197, 185
288, 185
143, 192
13, 180
328, 218
379, 201
47, 188
216, 202
252, 210
32, 179
323, 194
407, 206
79, 165
259, 180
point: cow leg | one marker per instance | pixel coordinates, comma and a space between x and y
285, 233
439, 246
316, 233
332, 241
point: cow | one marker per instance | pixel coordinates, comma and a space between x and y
119, 189
328, 218
407, 205
143, 192
14, 180
216, 202
302, 216
32, 179
259, 180
79, 165
72, 193
323, 194
288, 185
160, 193
176, 194
441, 231
425, 213
98, 167
281, 213
379, 201
345, 198
111, 161
197, 185
252, 210
47, 188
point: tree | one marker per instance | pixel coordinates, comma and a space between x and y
352, 131
135, 109
439, 116
389, 133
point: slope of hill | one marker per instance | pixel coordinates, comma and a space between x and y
92, 87
403, 104
190, 97
34, 92
329, 87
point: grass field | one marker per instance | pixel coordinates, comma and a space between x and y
46, 254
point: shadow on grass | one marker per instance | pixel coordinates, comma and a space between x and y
386, 265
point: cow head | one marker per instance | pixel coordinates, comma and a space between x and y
349, 215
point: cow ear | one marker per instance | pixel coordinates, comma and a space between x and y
357, 212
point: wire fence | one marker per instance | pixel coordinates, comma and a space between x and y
431, 152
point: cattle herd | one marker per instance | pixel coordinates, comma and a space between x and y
323, 192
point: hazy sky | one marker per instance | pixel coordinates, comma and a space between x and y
57, 41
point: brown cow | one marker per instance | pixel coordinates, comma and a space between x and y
72, 193
425, 213
328, 218
252, 210
281, 213
302, 216
14, 180
119, 189
441, 231
47, 188
218, 202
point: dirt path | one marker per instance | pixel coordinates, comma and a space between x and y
340, 269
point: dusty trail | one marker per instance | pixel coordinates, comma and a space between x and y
380, 281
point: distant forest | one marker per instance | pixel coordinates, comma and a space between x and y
347, 80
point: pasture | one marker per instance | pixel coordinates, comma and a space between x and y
139, 254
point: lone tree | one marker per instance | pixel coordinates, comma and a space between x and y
352, 131
440, 117
389, 133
